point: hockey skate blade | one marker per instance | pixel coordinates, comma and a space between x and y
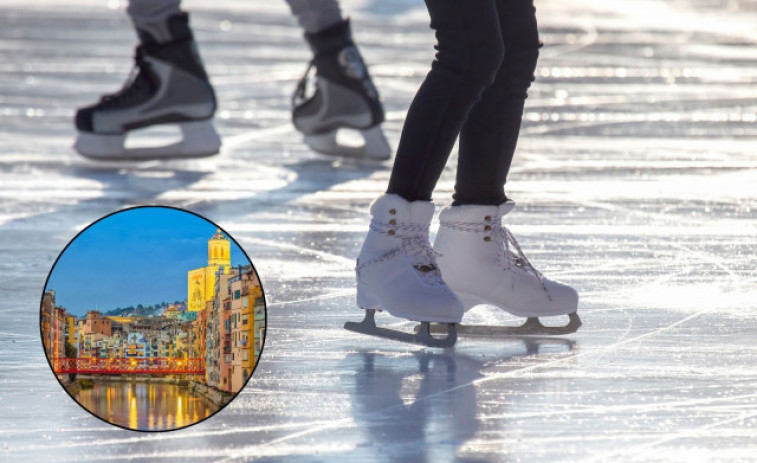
422, 337
199, 139
375, 146
532, 327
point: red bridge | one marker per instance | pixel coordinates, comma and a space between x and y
130, 366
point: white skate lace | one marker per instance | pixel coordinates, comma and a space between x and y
509, 252
415, 245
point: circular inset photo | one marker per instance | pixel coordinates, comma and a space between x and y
153, 318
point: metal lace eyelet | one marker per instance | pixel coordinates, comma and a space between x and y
392, 211
392, 222
391, 232
488, 228
487, 238
488, 218
425, 268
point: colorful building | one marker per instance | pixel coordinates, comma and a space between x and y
46, 322
218, 333
171, 312
54, 321
245, 292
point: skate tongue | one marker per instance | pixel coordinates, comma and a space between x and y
137, 82
504, 208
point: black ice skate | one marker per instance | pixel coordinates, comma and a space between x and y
168, 86
344, 98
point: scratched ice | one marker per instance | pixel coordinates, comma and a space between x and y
636, 175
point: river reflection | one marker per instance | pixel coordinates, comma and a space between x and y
145, 406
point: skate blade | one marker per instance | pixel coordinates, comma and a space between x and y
199, 140
422, 337
375, 146
532, 327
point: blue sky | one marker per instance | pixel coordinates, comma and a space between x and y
138, 256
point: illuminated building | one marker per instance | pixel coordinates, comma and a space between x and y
218, 342
245, 296
201, 281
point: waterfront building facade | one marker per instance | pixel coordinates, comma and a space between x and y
245, 294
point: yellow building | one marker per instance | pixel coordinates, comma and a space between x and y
201, 281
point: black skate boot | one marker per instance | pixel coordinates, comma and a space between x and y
344, 98
168, 85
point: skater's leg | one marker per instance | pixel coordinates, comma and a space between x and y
151, 15
480, 258
490, 134
469, 53
316, 15
345, 96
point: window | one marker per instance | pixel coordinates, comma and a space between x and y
245, 355
236, 294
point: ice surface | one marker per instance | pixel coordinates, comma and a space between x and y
636, 183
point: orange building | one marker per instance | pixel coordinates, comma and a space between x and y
46, 320
245, 290
59, 333
218, 332
95, 323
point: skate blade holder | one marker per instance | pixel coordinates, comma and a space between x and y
421, 337
531, 327
365, 144
197, 139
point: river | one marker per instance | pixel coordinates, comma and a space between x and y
145, 405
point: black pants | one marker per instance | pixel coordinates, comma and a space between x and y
485, 61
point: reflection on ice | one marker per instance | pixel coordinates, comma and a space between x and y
422, 407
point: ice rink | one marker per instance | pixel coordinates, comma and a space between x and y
636, 180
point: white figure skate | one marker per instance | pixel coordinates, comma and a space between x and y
483, 263
168, 86
397, 272
344, 98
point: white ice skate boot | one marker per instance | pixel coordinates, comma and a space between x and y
344, 98
397, 272
168, 86
483, 263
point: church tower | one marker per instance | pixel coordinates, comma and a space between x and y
219, 251
201, 281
